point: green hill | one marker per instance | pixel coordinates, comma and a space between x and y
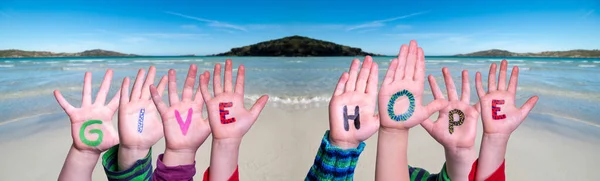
295, 46
88, 53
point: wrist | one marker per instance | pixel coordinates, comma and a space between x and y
495, 138
173, 157
128, 156
393, 131
85, 154
343, 144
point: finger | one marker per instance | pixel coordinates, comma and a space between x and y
124, 91
63, 102
190, 81
435, 89
373, 79
351, 83
420, 67
502, 76
526, 108
339, 88
435, 106
466, 88
114, 102
450, 87
428, 126
217, 89
204, 79
411, 60
514, 80
258, 106
479, 85
228, 84
239, 81
161, 86
391, 72
363, 76
492, 78
399, 73
198, 96
137, 85
104, 87
172, 88
157, 99
148, 82
87, 89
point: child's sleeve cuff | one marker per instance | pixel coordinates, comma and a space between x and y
334, 163
141, 169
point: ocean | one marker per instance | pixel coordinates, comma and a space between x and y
568, 88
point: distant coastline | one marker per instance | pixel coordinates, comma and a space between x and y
13, 53
546, 54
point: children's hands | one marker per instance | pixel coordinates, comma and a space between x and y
139, 123
461, 132
184, 128
91, 124
352, 116
404, 80
229, 119
499, 112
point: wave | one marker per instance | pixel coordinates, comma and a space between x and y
163, 63
76, 64
7, 61
515, 60
296, 61
495, 60
473, 64
293, 100
444, 61
118, 64
7, 66
586, 65
540, 62
88, 60
596, 61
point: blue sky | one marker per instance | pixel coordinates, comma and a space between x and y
207, 27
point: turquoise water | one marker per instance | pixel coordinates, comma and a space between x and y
569, 89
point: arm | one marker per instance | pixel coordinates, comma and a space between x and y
500, 118
229, 119
184, 128
91, 129
352, 120
456, 126
400, 108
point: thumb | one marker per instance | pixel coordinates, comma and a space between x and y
435, 106
526, 108
258, 106
428, 126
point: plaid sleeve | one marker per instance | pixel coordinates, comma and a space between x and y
141, 170
419, 174
334, 163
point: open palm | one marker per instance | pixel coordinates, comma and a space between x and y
404, 81
506, 117
354, 97
184, 127
139, 123
91, 124
458, 134
228, 117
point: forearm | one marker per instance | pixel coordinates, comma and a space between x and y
79, 165
459, 162
392, 155
178, 157
128, 156
224, 158
491, 154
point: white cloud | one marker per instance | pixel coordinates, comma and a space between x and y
403, 27
135, 40
380, 23
212, 23
190, 27
590, 12
172, 35
2, 13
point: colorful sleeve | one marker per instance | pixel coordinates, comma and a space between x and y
173, 173
498, 175
234, 177
334, 163
141, 170
419, 174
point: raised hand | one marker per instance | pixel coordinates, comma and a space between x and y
184, 128
229, 119
456, 126
91, 129
499, 112
352, 116
91, 124
400, 97
139, 123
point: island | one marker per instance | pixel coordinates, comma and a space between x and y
503, 53
296, 46
13, 53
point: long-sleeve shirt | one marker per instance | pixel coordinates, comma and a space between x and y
142, 169
334, 163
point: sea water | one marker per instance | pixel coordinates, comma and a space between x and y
568, 88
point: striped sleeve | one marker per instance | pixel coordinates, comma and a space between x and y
140, 171
419, 174
334, 163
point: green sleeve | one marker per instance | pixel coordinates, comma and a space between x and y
419, 174
141, 170
334, 163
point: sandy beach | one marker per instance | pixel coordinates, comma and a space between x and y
283, 143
